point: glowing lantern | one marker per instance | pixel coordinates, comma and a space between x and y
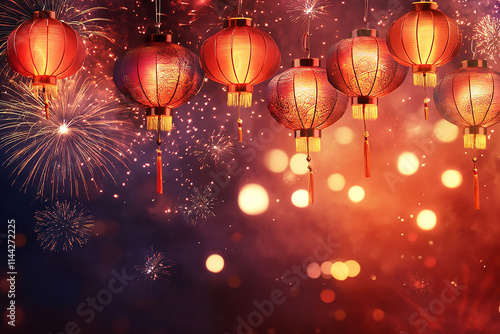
240, 56
362, 67
470, 99
45, 49
424, 39
302, 99
159, 75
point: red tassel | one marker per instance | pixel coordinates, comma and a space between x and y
159, 174
476, 189
367, 156
426, 110
311, 186
46, 108
240, 130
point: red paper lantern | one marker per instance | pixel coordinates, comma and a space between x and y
424, 39
45, 49
159, 75
362, 67
302, 99
470, 99
240, 56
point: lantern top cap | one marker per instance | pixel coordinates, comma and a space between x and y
44, 14
364, 33
238, 22
311, 62
159, 38
474, 63
424, 5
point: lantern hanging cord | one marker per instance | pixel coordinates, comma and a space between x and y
365, 18
240, 6
473, 47
307, 39
158, 15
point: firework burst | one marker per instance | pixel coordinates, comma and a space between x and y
83, 142
200, 205
301, 10
213, 149
63, 226
487, 36
155, 266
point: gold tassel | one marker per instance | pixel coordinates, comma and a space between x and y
428, 79
475, 141
475, 185
365, 111
162, 122
239, 99
367, 154
426, 108
240, 130
302, 144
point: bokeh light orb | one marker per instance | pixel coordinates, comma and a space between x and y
276, 161
313, 270
298, 164
344, 135
339, 271
445, 131
327, 296
300, 198
354, 268
356, 194
408, 163
378, 315
326, 268
215, 263
253, 199
426, 220
451, 178
340, 315
336, 182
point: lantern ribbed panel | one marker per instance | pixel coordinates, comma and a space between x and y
363, 66
424, 39
470, 99
45, 47
240, 56
158, 74
302, 98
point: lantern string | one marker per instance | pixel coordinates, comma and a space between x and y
472, 40
311, 176
365, 17
240, 5
475, 183
158, 15
240, 126
366, 149
426, 99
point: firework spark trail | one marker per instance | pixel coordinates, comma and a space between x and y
213, 149
200, 205
487, 36
155, 266
81, 144
301, 10
63, 226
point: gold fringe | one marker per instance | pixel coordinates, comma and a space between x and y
429, 80
243, 99
371, 111
314, 144
165, 123
475, 141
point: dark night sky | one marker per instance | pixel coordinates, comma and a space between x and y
404, 270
